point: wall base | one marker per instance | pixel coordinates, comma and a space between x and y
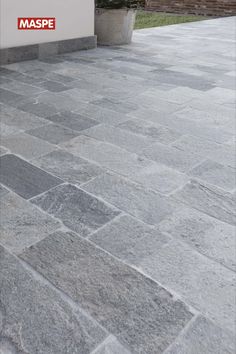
45, 50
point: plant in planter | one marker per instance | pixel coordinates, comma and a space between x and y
114, 21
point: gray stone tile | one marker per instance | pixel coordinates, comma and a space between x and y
24, 178
26, 145
3, 191
19, 76
35, 308
158, 133
216, 174
114, 105
111, 346
208, 199
40, 109
113, 135
201, 282
202, 336
207, 235
2, 151
68, 167
146, 205
22, 224
129, 239
221, 153
107, 155
53, 133
6, 130
9, 97
73, 121
110, 291
172, 157
75, 208
54, 86
160, 178
22, 88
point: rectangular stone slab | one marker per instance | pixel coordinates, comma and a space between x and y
111, 292
35, 318
24, 178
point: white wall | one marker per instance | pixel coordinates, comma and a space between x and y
74, 19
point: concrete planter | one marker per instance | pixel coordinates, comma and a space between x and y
114, 27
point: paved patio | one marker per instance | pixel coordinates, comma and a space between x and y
117, 197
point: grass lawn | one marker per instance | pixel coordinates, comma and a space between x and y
146, 19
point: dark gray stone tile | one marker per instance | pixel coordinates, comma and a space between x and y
111, 291
22, 88
212, 201
22, 224
72, 120
75, 208
3, 191
207, 235
202, 336
26, 145
9, 97
19, 76
35, 308
53, 133
71, 45
24, 178
68, 167
54, 86
172, 157
22, 53
148, 129
146, 205
129, 239
216, 174
39, 109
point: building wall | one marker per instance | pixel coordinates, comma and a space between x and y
199, 7
74, 19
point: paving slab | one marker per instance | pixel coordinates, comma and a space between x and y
36, 308
111, 346
97, 281
23, 178
75, 208
73, 120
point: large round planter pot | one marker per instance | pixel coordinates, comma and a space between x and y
114, 27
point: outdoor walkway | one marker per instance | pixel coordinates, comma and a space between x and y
117, 197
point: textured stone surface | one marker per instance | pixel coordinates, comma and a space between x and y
22, 225
209, 236
73, 121
3, 191
77, 209
209, 200
216, 174
26, 145
129, 239
53, 133
68, 167
202, 336
111, 346
109, 290
146, 205
109, 156
24, 178
39, 109
35, 319
203, 283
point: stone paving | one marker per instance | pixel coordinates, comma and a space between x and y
117, 197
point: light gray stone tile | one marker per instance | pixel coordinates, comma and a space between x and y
129, 239
210, 200
24, 178
146, 205
6, 130
22, 88
202, 283
75, 208
37, 309
53, 133
111, 346
107, 155
202, 336
73, 120
111, 291
22, 224
114, 105
156, 132
207, 235
119, 137
172, 157
2, 151
68, 167
221, 153
27, 145
216, 174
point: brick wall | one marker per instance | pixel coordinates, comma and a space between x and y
199, 7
